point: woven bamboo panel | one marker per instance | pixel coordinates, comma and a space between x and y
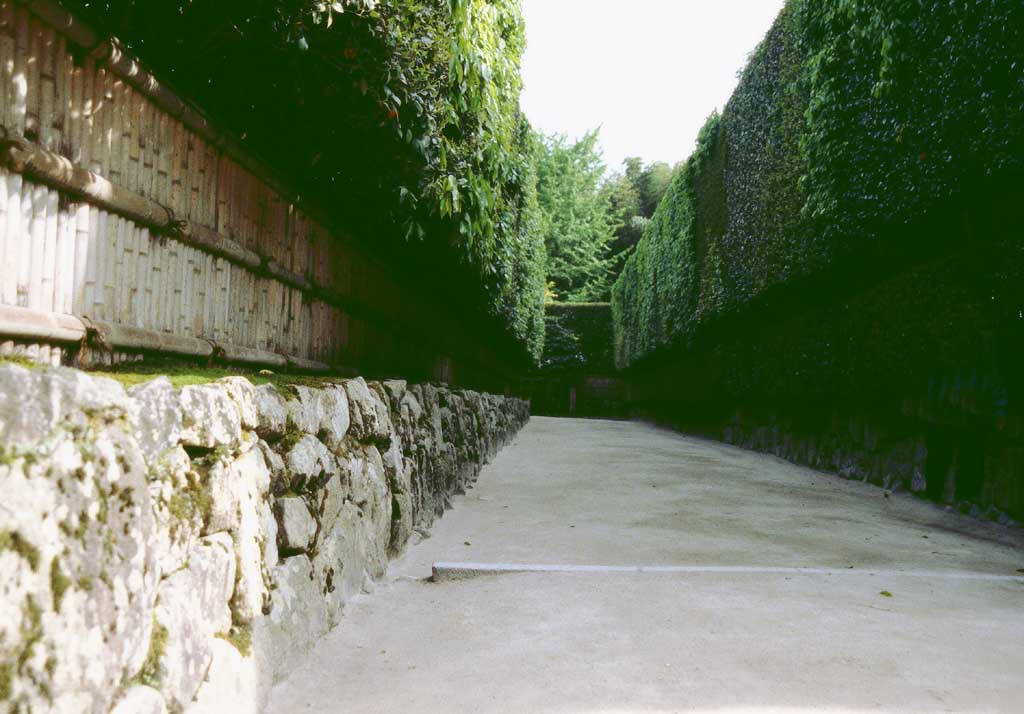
67, 256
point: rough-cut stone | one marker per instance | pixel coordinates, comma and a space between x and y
309, 463
395, 390
335, 421
156, 417
228, 483
232, 684
251, 469
218, 480
33, 403
209, 418
396, 468
401, 522
275, 462
107, 493
242, 392
296, 524
177, 500
268, 532
271, 412
411, 406
369, 414
334, 495
141, 700
79, 570
191, 608
298, 615
371, 495
306, 411
250, 541
340, 566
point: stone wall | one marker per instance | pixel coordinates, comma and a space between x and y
168, 550
974, 472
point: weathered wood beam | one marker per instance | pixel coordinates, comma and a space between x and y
21, 323
249, 355
109, 336
22, 156
109, 52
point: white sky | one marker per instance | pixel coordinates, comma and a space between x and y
648, 72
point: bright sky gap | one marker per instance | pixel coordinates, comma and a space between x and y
648, 74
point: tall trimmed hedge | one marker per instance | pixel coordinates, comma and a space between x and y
851, 120
578, 338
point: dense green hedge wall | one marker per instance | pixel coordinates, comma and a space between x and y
851, 120
578, 338
398, 118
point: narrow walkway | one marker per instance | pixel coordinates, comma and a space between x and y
785, 590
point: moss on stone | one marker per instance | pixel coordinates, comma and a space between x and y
13, 542
149, 675
59, 583
19, 361
8, 456
31, 631
183, 373
187, 503
292, 436
239, 637
6, 680
208, 458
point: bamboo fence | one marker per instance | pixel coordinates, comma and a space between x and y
125, 218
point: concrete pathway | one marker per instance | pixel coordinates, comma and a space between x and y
774, 588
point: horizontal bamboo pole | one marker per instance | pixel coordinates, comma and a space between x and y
22, 156
237, 353
23, 324
20, 323
274, 270
210, 241
109, 336
307, 365
108, 52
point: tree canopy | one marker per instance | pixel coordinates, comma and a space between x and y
577, 219
591, 219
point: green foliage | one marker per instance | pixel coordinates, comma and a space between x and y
578, 338
651, 182
519, 278
635, 193
655, 297
625, 204
851, 120
577, 220
401, 118
454, 65
908, 100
